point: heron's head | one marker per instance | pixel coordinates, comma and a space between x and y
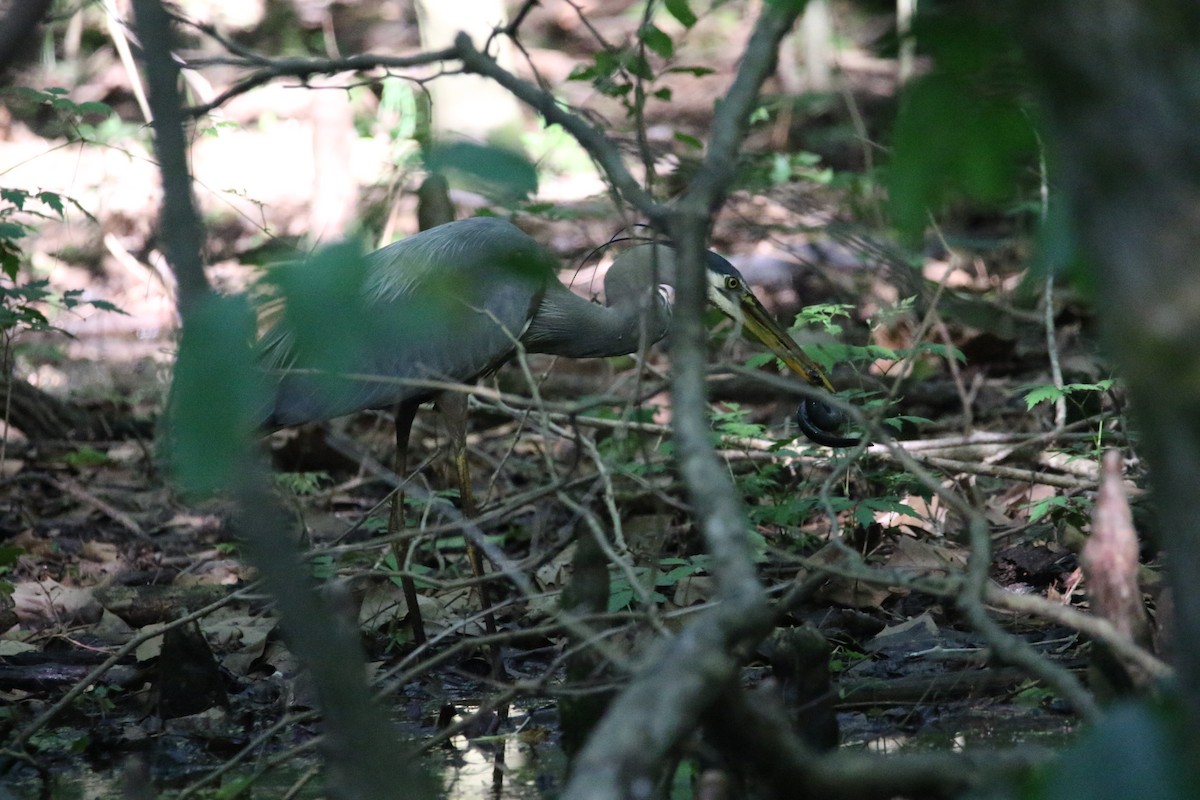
626, 283
727, 290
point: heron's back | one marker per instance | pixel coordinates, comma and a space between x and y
447, 304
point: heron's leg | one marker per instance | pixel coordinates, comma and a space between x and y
453, 406
405, 414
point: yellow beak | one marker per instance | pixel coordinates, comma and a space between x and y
759, 322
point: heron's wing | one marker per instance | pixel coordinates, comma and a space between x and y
445, 305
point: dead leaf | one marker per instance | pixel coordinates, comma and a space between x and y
694, 589
241, 632
382, 607
555, 573
915, 628
150, 648
220, 572
922, 559
102, 552
1110, 557
846, 591
12, 647
928, 516
127, 453
49, 602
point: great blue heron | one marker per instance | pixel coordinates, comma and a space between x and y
454, 302
451, 304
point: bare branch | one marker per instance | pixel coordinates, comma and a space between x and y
597, 144
268, 70
665, 701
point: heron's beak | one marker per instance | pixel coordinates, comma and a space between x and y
756, 320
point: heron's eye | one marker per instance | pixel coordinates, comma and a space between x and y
732, 283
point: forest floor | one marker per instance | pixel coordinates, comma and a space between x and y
104, 555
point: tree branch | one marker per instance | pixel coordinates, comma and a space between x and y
665, 700
360, 745
594, 141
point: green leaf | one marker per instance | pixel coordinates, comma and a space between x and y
1044, 506
680, 10
638, 66
53, 200
796, 6
104, 305
9, 555
503, 173
95, 107
759, 360
15, 196
1041, 395
656, 40
977, 84
690, 141
320, 296
86, 457
1136, 752
218, 397
620, 596
12, 230
697, 72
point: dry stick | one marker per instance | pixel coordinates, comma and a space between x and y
459, 524
262, 737
231, 763
971, 598
1095, 627
468, 527
1012, 473
402, 546
770, 747
850, 566
1060, 402
591, 138
1007, 647
913, 449
425, 658
593, 631
935, 321
589, 518
265, 70
71, 487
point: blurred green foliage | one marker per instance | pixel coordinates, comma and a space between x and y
218, 396
1137, 752
965, 129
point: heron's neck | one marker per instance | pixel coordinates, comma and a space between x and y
568, 325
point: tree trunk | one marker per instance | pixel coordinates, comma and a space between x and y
1122, 87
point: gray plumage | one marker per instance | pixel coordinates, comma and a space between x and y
450, 304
